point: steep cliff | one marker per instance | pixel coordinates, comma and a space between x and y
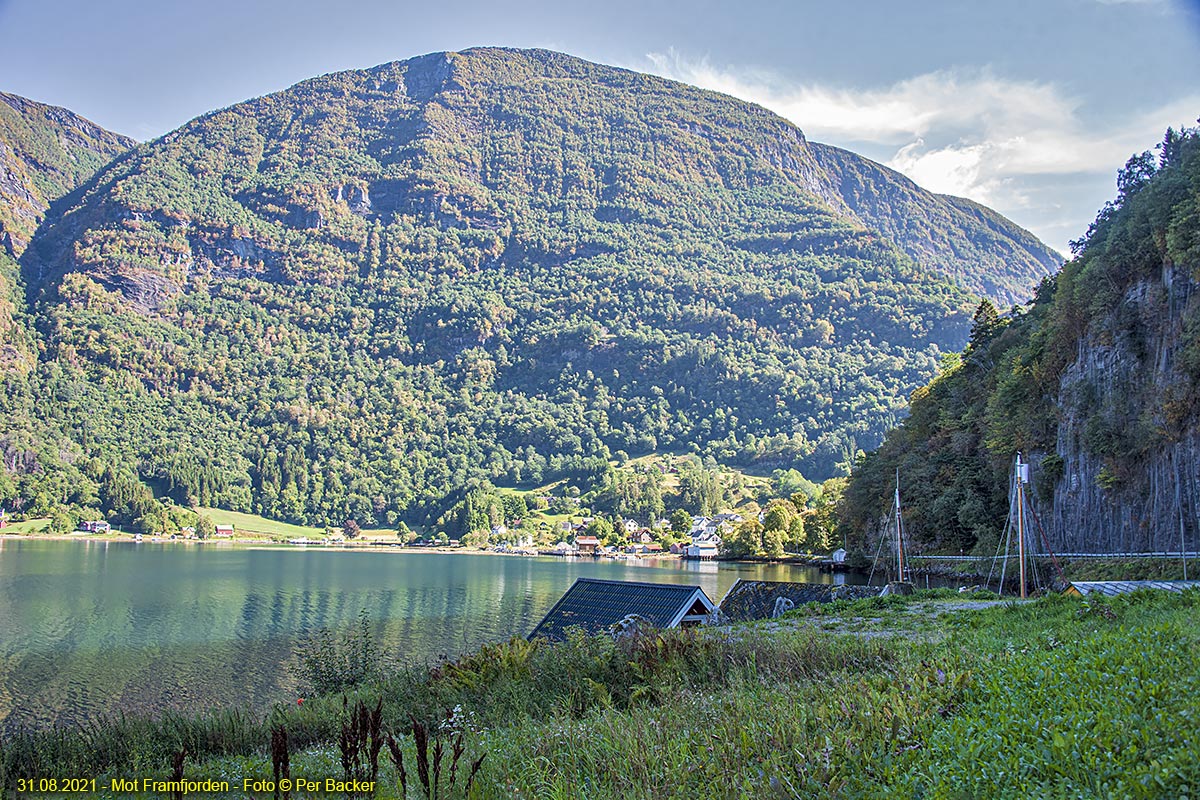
1128, 441
1097, 381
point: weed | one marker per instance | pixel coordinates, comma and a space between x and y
177, 773
280, 760
361, 740
430, 759
328, 665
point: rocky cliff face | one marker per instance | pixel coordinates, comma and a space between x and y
1126, 385
1097, 379
45, 152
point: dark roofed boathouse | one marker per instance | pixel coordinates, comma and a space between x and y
596, 605
749, 600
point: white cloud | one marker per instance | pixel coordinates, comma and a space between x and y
968, 132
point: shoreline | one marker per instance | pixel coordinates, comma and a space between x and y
366, 546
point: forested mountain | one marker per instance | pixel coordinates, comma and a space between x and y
973, 245
361, 296
45, 152
1097, 380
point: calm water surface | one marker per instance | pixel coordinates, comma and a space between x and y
88, 628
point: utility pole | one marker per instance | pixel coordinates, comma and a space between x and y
1022, 477
899, 533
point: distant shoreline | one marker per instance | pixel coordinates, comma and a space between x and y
369, 545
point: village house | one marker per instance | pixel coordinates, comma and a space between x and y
708, 527
223, 531
95, 526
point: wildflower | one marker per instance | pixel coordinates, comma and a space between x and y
299, 701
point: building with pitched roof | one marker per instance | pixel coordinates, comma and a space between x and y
596, 605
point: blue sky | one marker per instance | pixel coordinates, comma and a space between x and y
1029, 107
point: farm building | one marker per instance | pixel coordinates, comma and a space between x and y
597, 605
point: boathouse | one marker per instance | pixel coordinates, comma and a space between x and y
749, 600
596, 605
587, 545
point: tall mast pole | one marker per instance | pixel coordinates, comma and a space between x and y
1021, 521
899, 534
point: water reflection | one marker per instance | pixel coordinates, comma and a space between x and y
96, 627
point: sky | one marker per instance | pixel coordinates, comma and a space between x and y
1027, 106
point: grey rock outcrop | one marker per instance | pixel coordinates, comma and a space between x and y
1122, 385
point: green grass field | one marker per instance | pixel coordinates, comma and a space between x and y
251, 524
28, 526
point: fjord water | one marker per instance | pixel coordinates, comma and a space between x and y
91, 628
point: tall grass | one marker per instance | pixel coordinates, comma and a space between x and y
1053, 698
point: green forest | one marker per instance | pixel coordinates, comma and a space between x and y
364, 297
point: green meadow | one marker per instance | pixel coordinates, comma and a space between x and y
935, 696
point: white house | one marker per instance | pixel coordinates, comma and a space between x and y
702, 550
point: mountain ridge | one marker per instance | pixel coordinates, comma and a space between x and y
45, 152
336, 301
845, 181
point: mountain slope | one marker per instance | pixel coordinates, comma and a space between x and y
1098, 383
360, 295
45, 152
973, 245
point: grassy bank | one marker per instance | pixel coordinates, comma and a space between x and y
1073, 569
924, 697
